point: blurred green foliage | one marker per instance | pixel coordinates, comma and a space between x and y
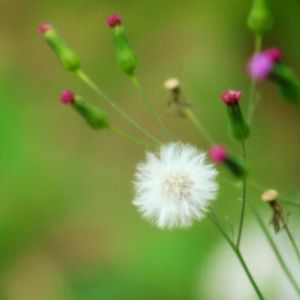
66, 190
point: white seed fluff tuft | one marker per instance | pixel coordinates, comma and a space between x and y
175, 187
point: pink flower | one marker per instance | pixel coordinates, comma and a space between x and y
218, 154
260, 66
274, 53
44, 27
67, 97
231, 97
114, 20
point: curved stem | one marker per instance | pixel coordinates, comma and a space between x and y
243, 206
130, 138
191, 116
150, 107
98, 91
276, 251
292, 240
239, 256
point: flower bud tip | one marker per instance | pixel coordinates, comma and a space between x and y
231, 97
218, 154
44, 28
114, 20
67, 97
269, 196
275, 54
172, 84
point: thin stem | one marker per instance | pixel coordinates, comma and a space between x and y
98, 91
191, 115
253, 87
243, 206
150, 107
238, 254
276, 251
292, 240
130, 138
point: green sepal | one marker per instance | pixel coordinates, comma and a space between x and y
237, 124
236, 167
94, 116
67, 57
125, 56
288, 83
260, 18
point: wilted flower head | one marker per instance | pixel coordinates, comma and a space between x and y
172, 84
175, 187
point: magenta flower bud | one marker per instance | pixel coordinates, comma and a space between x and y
218, 154
260, 66
67, 97
44, 27
114, 20
274, 53
231, 97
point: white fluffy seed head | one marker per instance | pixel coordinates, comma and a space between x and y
175, 187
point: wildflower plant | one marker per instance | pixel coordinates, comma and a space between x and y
176, 186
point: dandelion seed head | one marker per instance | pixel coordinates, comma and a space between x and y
175, 187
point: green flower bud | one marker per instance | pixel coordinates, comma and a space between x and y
260, 18
94, 116
238, 126
67, 57
288, 83
125, 56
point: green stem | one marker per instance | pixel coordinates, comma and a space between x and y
190, 114
130, 138
98, 91
292, 240
276, 251
238, 254
150, 107
243, 206
253, 87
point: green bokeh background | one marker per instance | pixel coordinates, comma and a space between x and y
68, 229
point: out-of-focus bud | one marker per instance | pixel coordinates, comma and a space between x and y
68, 58
260, 18
268, 65
287, 82
125, 56
261, 65
94, 116
279, 218
220, 155
238, 126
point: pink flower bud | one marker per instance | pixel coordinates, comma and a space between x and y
114, 20
44, 27
218, 154
67, 97
231, 97
260, 66
274, 53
